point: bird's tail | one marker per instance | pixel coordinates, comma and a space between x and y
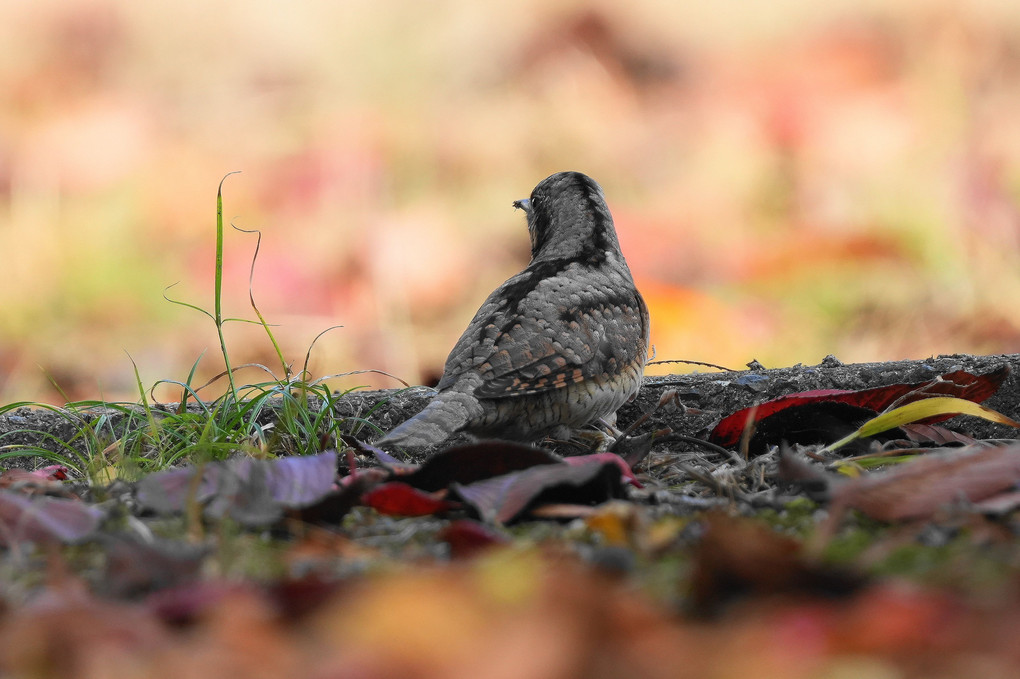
447, 414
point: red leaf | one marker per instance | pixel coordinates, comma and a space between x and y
466, 538
53, 472
335, 505
295, 598
41, 480
399, 499
961, 384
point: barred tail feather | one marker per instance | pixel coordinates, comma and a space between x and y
444, 416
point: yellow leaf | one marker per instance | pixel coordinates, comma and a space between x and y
617, 522
920, 410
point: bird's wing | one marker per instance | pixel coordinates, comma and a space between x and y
598, 345
524, 348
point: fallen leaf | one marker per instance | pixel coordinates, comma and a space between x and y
470, 463
166, 492
53, 472
320, 551
925, 409
809, 423
959, 384
299, 481
917, 489
254, 492
929, 434
38, 481
561, 511
43, 519
332, 507
612, 458
504, 498
399, 499
467, 538
245, 496
999, 504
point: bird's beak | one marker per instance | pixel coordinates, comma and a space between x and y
523, 204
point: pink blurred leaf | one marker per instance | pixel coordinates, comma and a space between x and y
45, 519
611, 458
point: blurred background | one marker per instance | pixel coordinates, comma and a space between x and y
789, 178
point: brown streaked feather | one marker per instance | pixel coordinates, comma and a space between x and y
596, 346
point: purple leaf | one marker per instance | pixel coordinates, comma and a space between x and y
254, 492
45, 518
297, 482
167, 491
505, 498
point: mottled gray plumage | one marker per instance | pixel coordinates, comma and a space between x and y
554, 348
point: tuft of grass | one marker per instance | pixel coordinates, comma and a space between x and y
291, 414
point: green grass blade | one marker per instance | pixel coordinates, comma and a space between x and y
184, 304
254, 306
218, 285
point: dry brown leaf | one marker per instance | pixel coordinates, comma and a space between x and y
917, 489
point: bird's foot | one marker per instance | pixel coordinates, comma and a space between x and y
595, 440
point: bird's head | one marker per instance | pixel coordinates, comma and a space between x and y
568, 219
